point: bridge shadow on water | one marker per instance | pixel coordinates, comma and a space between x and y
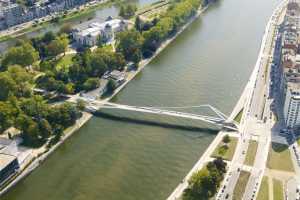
155, 123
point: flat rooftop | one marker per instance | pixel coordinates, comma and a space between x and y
5, 160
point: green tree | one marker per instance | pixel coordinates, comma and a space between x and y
111, 86
23, 55
6, 116
129, 43
81, 105
7, 86
127, 11
22, 79
91, 83
57, 46
226, 139
203, 184
65, 29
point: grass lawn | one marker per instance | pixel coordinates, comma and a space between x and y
251, 152
241, 185
238, 117
279, 158
226, 151
64, 62
298, 141
277, 190
263, 193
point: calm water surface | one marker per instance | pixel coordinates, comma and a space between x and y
129, 159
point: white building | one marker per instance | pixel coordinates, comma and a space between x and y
106, 30
292, 106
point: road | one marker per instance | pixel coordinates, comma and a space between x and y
14, 30
256, 122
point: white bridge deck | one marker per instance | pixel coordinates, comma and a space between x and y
220, 119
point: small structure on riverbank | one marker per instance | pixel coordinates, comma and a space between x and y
13, 158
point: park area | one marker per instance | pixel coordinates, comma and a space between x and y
251, 152
226, 149
263, 193
241, 185
277, 190
279, 158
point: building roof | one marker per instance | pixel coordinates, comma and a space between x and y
95, 28
116, 74
5, 160
12, 131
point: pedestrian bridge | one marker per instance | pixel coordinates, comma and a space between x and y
220, 119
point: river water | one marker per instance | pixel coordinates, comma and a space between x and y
131, 156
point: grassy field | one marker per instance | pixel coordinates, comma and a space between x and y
277, 190
279, 158
226, 151
251, 152
241, 185
263, 193
298, 141
64, 62
238, 117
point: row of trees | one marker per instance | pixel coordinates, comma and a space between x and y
204, 184
26, 53
22, 54
19, 107
168, 24
127, 11
84, 72
51, 45
30, 113
148, 36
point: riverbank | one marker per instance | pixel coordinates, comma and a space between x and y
242, 104
42, 153
145, 62
74, 13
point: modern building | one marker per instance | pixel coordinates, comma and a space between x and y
290, 65
13, 157
118, 77
95, 31
8, 167
292, 106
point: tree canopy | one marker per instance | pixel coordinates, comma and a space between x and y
203, 184
127, 11
23, 55
129, 43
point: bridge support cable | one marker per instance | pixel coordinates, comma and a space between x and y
220, 120
165, 112
215, 110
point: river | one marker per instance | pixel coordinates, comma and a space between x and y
132, 156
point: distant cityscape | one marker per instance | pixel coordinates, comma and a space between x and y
12, 13
288, 53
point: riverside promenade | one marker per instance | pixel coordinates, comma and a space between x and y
244, 103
